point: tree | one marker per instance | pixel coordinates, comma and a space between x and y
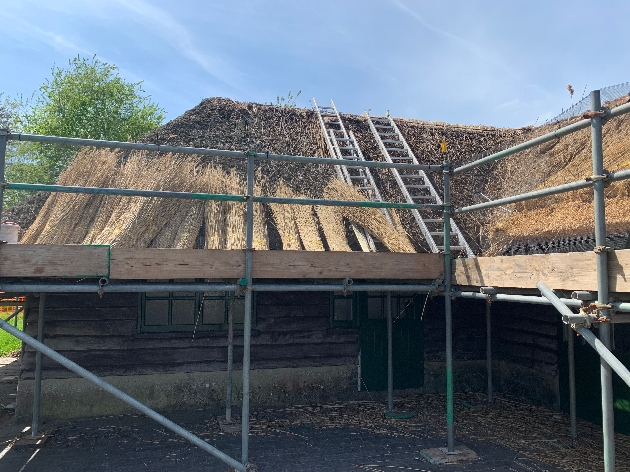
7, 112
88, 99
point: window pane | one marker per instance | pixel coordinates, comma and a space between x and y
213, 311
239, 310
342, 309
156, 313
406, 307
184, 312
395, 309
375, 308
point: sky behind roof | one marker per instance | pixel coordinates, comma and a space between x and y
501, 63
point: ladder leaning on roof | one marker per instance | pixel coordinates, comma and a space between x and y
414, 185
342, 145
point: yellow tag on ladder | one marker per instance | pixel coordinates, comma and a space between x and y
443, 145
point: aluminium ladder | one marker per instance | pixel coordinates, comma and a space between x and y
415, 185
343, 145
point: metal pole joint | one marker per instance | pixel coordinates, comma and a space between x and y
603, 249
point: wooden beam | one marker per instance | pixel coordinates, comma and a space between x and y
218, 264
339, 265
176, 264
39, 260
568, 271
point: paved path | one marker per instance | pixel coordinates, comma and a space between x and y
9, 371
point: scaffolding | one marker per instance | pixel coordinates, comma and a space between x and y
601, 310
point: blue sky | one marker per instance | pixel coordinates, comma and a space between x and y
501, 63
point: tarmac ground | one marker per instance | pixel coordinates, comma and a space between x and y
507, 435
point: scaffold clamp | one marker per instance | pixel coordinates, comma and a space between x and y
602, 249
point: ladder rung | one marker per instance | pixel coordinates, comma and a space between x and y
365, 188
388, 134
325, 108
350, 158
422, 197
383, 126
438, 233
379, 118
411, 176
396, 149
417, 186
391, 141
334, 123
348, 148
343, 139
431, 220
452, 247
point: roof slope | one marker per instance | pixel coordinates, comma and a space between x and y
563, 160
225, 124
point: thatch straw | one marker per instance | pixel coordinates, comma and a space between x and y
111, 208
571, 214
215, 212
371, 219
35, 230
67, 223
261, 235
188, 231
333, 228
284, 218
307, 226
166, 237
235, 214
137, 220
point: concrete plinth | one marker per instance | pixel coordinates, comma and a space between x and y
440, 455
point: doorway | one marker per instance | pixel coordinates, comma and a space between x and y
407, 340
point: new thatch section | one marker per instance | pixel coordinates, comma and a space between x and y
568, 215
225, 124
138, 222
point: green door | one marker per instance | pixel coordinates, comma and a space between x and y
407, 338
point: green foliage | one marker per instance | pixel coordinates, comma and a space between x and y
7, 112
9, 343
88, 99
288, 102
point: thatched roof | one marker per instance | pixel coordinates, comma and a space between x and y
550, 221
225, 124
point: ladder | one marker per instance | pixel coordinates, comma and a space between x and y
343, 145
415, 185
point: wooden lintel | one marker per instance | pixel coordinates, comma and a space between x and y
357, 265
568, 271
136, 264
38, 260
217, 264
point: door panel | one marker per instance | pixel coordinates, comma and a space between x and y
407, 340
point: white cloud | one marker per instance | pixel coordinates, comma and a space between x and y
180, 39
22, 29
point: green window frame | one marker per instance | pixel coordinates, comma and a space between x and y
404, 305
343, 310
346, 311
190, 311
